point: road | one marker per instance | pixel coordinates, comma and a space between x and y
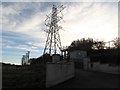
89, 79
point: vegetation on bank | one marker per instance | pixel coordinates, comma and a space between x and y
98, 51
14, 76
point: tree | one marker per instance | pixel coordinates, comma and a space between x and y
83, 44
117, 42
98, 45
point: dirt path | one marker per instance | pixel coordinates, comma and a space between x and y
89, 79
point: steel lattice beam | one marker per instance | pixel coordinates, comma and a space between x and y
53, 42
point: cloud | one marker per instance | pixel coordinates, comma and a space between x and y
25, 47
19, 41
95, 20
37, 44
79, 17
17, 8
81, 20
9, 12
13, 9
61, 0
30, 26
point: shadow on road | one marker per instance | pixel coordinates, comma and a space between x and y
89, 79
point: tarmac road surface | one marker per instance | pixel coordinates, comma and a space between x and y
90, 79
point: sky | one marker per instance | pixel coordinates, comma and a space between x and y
23, 25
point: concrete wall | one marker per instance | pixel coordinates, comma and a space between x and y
59, 72
96, 66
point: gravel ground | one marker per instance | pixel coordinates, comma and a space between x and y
89, 79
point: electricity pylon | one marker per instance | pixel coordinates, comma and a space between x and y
53, 42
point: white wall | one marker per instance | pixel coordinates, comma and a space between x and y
59, 72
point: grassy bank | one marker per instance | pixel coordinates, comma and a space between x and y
14, 76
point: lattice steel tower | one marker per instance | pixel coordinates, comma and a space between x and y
53, 43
